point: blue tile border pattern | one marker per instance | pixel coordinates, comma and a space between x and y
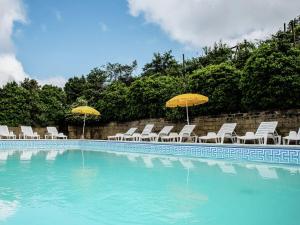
254, 153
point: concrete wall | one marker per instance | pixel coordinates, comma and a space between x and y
287, 120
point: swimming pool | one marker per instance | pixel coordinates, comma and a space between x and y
54, 182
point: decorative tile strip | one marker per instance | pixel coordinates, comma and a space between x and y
264, 154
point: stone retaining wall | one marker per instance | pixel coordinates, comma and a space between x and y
287, 120
40, 130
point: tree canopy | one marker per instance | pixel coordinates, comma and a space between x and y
250, 76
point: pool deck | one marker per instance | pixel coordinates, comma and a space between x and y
278, 154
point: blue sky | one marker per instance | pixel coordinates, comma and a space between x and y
52, 40
67, 37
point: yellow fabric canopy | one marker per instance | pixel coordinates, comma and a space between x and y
185, 100
86, 110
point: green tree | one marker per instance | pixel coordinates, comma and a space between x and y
162, 65
32, 99
14, 108
217, 54
243, 52
95, 83
148, 95
120, 72
221, 84
52, 104
74, 88
113, 102
271, 78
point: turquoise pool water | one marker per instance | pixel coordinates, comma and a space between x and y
66, 187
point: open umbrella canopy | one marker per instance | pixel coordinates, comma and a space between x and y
86, 110
185, 100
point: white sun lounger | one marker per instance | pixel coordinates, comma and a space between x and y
4, 132
27, 132
293, 136
163, 133
120, 136
144, 135
147, 133
226, 131
185, 133
52, 133
264, 131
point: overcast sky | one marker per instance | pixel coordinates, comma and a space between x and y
52, 40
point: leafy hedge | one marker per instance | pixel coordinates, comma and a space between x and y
251, 76
221, 84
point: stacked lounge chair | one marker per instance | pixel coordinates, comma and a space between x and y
265, 131
226, 131
52, 133
27, 132
4, 132
185, 133
293, 136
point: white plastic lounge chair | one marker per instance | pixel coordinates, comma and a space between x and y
52, 133
27, 132
164, 132
4, 132
264, 131
146, 133
293, 136
137, 136
226, 131
185, 133
133, 137
119, 136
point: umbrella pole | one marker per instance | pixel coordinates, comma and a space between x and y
83, 126
187, 114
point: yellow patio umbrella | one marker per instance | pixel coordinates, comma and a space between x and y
85, 110
186, 100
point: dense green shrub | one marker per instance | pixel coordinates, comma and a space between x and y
148, 95
221, 84
113, 102
14, 107
245, 77
271, 77
52, 105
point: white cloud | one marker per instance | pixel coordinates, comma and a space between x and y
58, 81
10, 68
199, 23
10, 11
